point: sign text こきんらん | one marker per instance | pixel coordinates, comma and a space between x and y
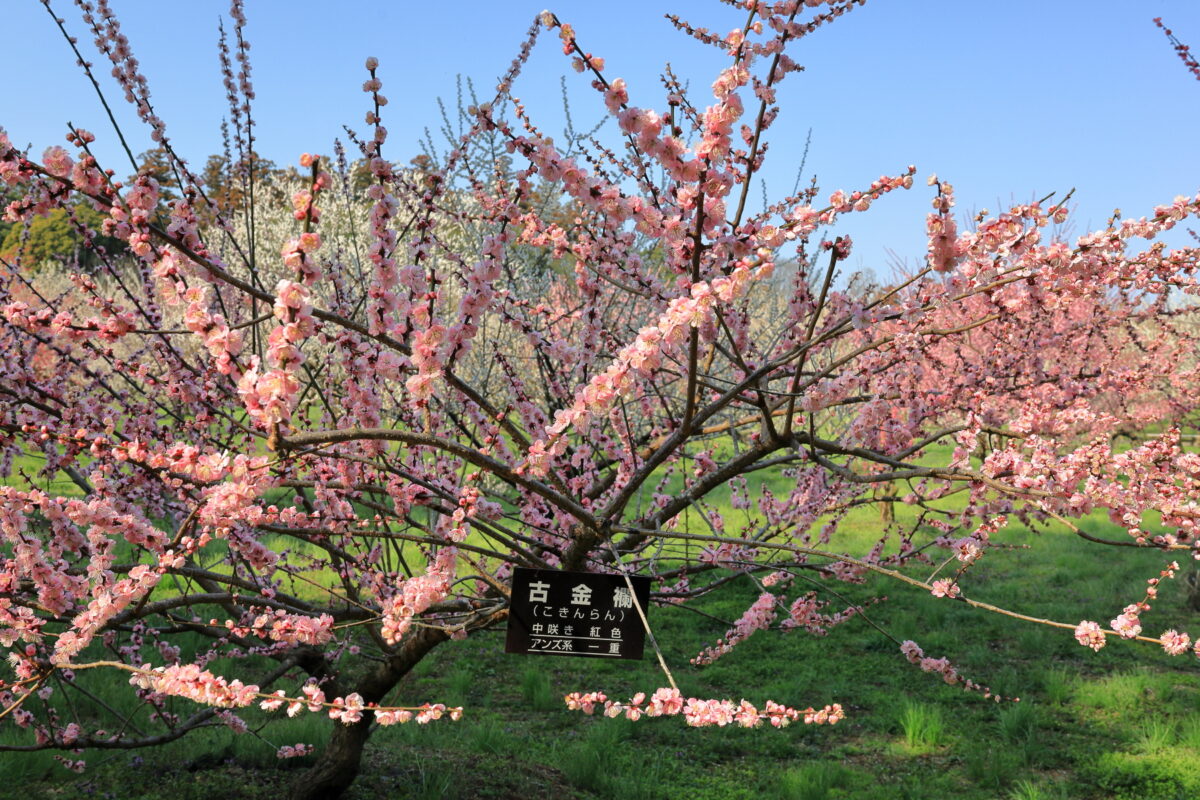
576, 614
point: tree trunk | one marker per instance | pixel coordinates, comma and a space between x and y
1192, 580
887, 511
337, 765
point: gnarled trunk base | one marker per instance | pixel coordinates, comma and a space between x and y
339, 762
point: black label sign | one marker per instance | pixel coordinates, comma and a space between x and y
576, 614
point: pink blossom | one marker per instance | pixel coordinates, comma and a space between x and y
392, 717
1089, 634
757, 617
945, 588
274, 704
294, 751
347, 710
1175, 643
1127, 624
195, 684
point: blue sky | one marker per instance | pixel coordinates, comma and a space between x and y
1009, 101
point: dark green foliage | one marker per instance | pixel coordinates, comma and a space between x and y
56, 237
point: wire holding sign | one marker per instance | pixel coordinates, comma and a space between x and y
576, 614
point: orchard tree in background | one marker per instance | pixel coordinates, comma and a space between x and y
322, 455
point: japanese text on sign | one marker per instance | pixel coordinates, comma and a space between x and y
576, 614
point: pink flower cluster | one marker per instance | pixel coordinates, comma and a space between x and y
1175, 643
642, 356
75, 765
945, 587
194, 683
352, 708
757, 617
700, 713
1182, 50
222, 342
133, 224
270, 397
417, 594
298, 253
294, 751
423, 714
967, 549
347, 710
941, 228
805, 612
942, 666
106, 603
294, 312
427, 357
280, 626
314, 700
1128, 623
17, 622
477, 297
233, 502
1089, 634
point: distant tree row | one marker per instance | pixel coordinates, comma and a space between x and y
61, 237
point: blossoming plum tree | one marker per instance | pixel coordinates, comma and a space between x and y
325, 461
